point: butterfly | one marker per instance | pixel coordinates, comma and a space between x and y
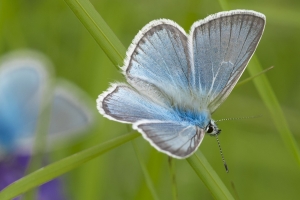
25, 83
177, 80
24, 86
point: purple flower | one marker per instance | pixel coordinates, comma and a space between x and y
14, 167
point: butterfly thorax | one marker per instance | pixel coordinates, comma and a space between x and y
201, 119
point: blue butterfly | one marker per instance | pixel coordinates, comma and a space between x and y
25, 84
177, 80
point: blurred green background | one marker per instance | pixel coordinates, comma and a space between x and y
260, 165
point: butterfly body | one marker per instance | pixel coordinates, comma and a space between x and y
177, 80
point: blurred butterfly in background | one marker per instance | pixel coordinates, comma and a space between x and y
25, 86
177, 80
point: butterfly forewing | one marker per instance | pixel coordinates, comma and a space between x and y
22, 82
222, 47
159, 57
176, 139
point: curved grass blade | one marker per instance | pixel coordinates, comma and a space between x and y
145, 172
60, 167
268, 96
98, 28
209, 177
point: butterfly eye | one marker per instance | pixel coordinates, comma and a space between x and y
209, 129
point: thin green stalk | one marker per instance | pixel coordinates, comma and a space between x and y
224, 5
98, 28
252, 77
209, 177
145, 172
40, 141
60, 167
268, 96
173, 178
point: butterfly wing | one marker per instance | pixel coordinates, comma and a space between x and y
70, 113
124, 104
222, 46
176, 139
157, 62
22, 82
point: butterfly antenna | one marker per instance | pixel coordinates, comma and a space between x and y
238, 118
223, 159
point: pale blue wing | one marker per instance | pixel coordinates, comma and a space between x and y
222, 47
70, 113
158, 59
123, 103
22, 82
177, 139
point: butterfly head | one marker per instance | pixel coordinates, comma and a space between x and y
212, 128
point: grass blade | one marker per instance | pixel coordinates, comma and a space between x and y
209, 177
173, 177
268, 96
252, 77
224, 5
145, 172
98, 28
60, 167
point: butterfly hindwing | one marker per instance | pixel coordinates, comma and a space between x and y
70, 112
176, 139
222, 47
